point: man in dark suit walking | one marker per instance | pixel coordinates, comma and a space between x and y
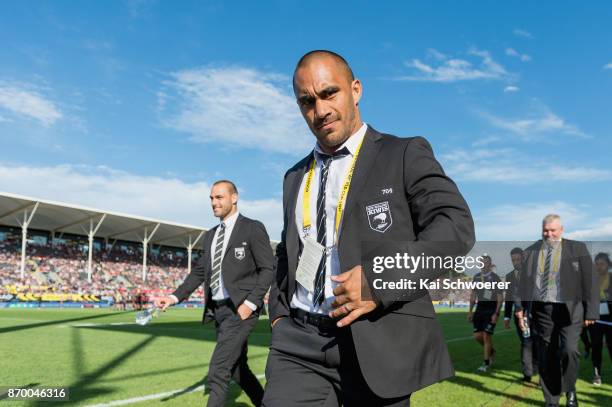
236, 268
527, 355
334, 340
558, 278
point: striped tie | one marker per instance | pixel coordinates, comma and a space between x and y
216, 269
319, 289
545, 275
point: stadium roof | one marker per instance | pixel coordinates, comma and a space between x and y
58, 217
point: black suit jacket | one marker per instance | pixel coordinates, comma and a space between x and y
247, 266
578, 279
399, 346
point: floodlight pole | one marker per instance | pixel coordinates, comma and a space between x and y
190, 247
145, 244
90, 235
24, 235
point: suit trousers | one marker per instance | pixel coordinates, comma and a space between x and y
229, 359
310, 366
528, 356
557, 335
598, 332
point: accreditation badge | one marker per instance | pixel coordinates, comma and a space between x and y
603, 309
309, 263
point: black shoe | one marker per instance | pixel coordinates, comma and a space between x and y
572, 400
526, 379
551, 405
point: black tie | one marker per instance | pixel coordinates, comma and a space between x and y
545, 275
218, 256
319, 288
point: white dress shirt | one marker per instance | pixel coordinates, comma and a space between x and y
338, 170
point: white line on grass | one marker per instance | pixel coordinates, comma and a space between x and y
154, 396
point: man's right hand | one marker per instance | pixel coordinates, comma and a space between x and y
519, 318
506, 323
470, 316
164, 302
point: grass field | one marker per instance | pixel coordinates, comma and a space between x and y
104, 358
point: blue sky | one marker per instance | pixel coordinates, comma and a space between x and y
137, 106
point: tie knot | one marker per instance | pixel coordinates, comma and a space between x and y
327, 158
222, 225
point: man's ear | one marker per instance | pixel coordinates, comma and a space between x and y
357, 90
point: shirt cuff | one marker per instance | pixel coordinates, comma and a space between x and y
176, 301
249, 304
506, 319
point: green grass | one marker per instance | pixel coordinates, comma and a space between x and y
101, 362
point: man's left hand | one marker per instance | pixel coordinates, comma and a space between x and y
349, 302
588, 322
244, 311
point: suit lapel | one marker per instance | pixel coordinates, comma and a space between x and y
292, 237
365, 161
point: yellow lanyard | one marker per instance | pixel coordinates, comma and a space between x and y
307, 223
555, 264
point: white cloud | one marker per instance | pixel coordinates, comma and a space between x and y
238, 106
26, 100
522, 33
509, 89
510, 166
608, 66
455, 69
523, 221
514, 53
168, 199
599, 230
546, 123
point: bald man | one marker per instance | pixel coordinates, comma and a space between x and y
334, 340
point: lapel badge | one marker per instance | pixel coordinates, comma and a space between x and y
239, 253
379, 216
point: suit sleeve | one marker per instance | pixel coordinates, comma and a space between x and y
278, 303
195, 278
264, 261
439, 212
509, 296
589, 283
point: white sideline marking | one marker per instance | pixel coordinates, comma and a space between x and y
154, 396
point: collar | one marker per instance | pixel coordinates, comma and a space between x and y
351, 143
229, 222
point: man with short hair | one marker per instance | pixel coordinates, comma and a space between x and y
488, 303
512, 278
236, 268
334, 340
557, 277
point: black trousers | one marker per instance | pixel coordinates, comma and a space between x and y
229, 359
557, 335
598, 332
308, 366
527, 354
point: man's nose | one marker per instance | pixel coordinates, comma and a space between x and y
321, 109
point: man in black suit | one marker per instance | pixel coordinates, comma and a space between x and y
558, 278
527, 355
236, 268
334, 340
